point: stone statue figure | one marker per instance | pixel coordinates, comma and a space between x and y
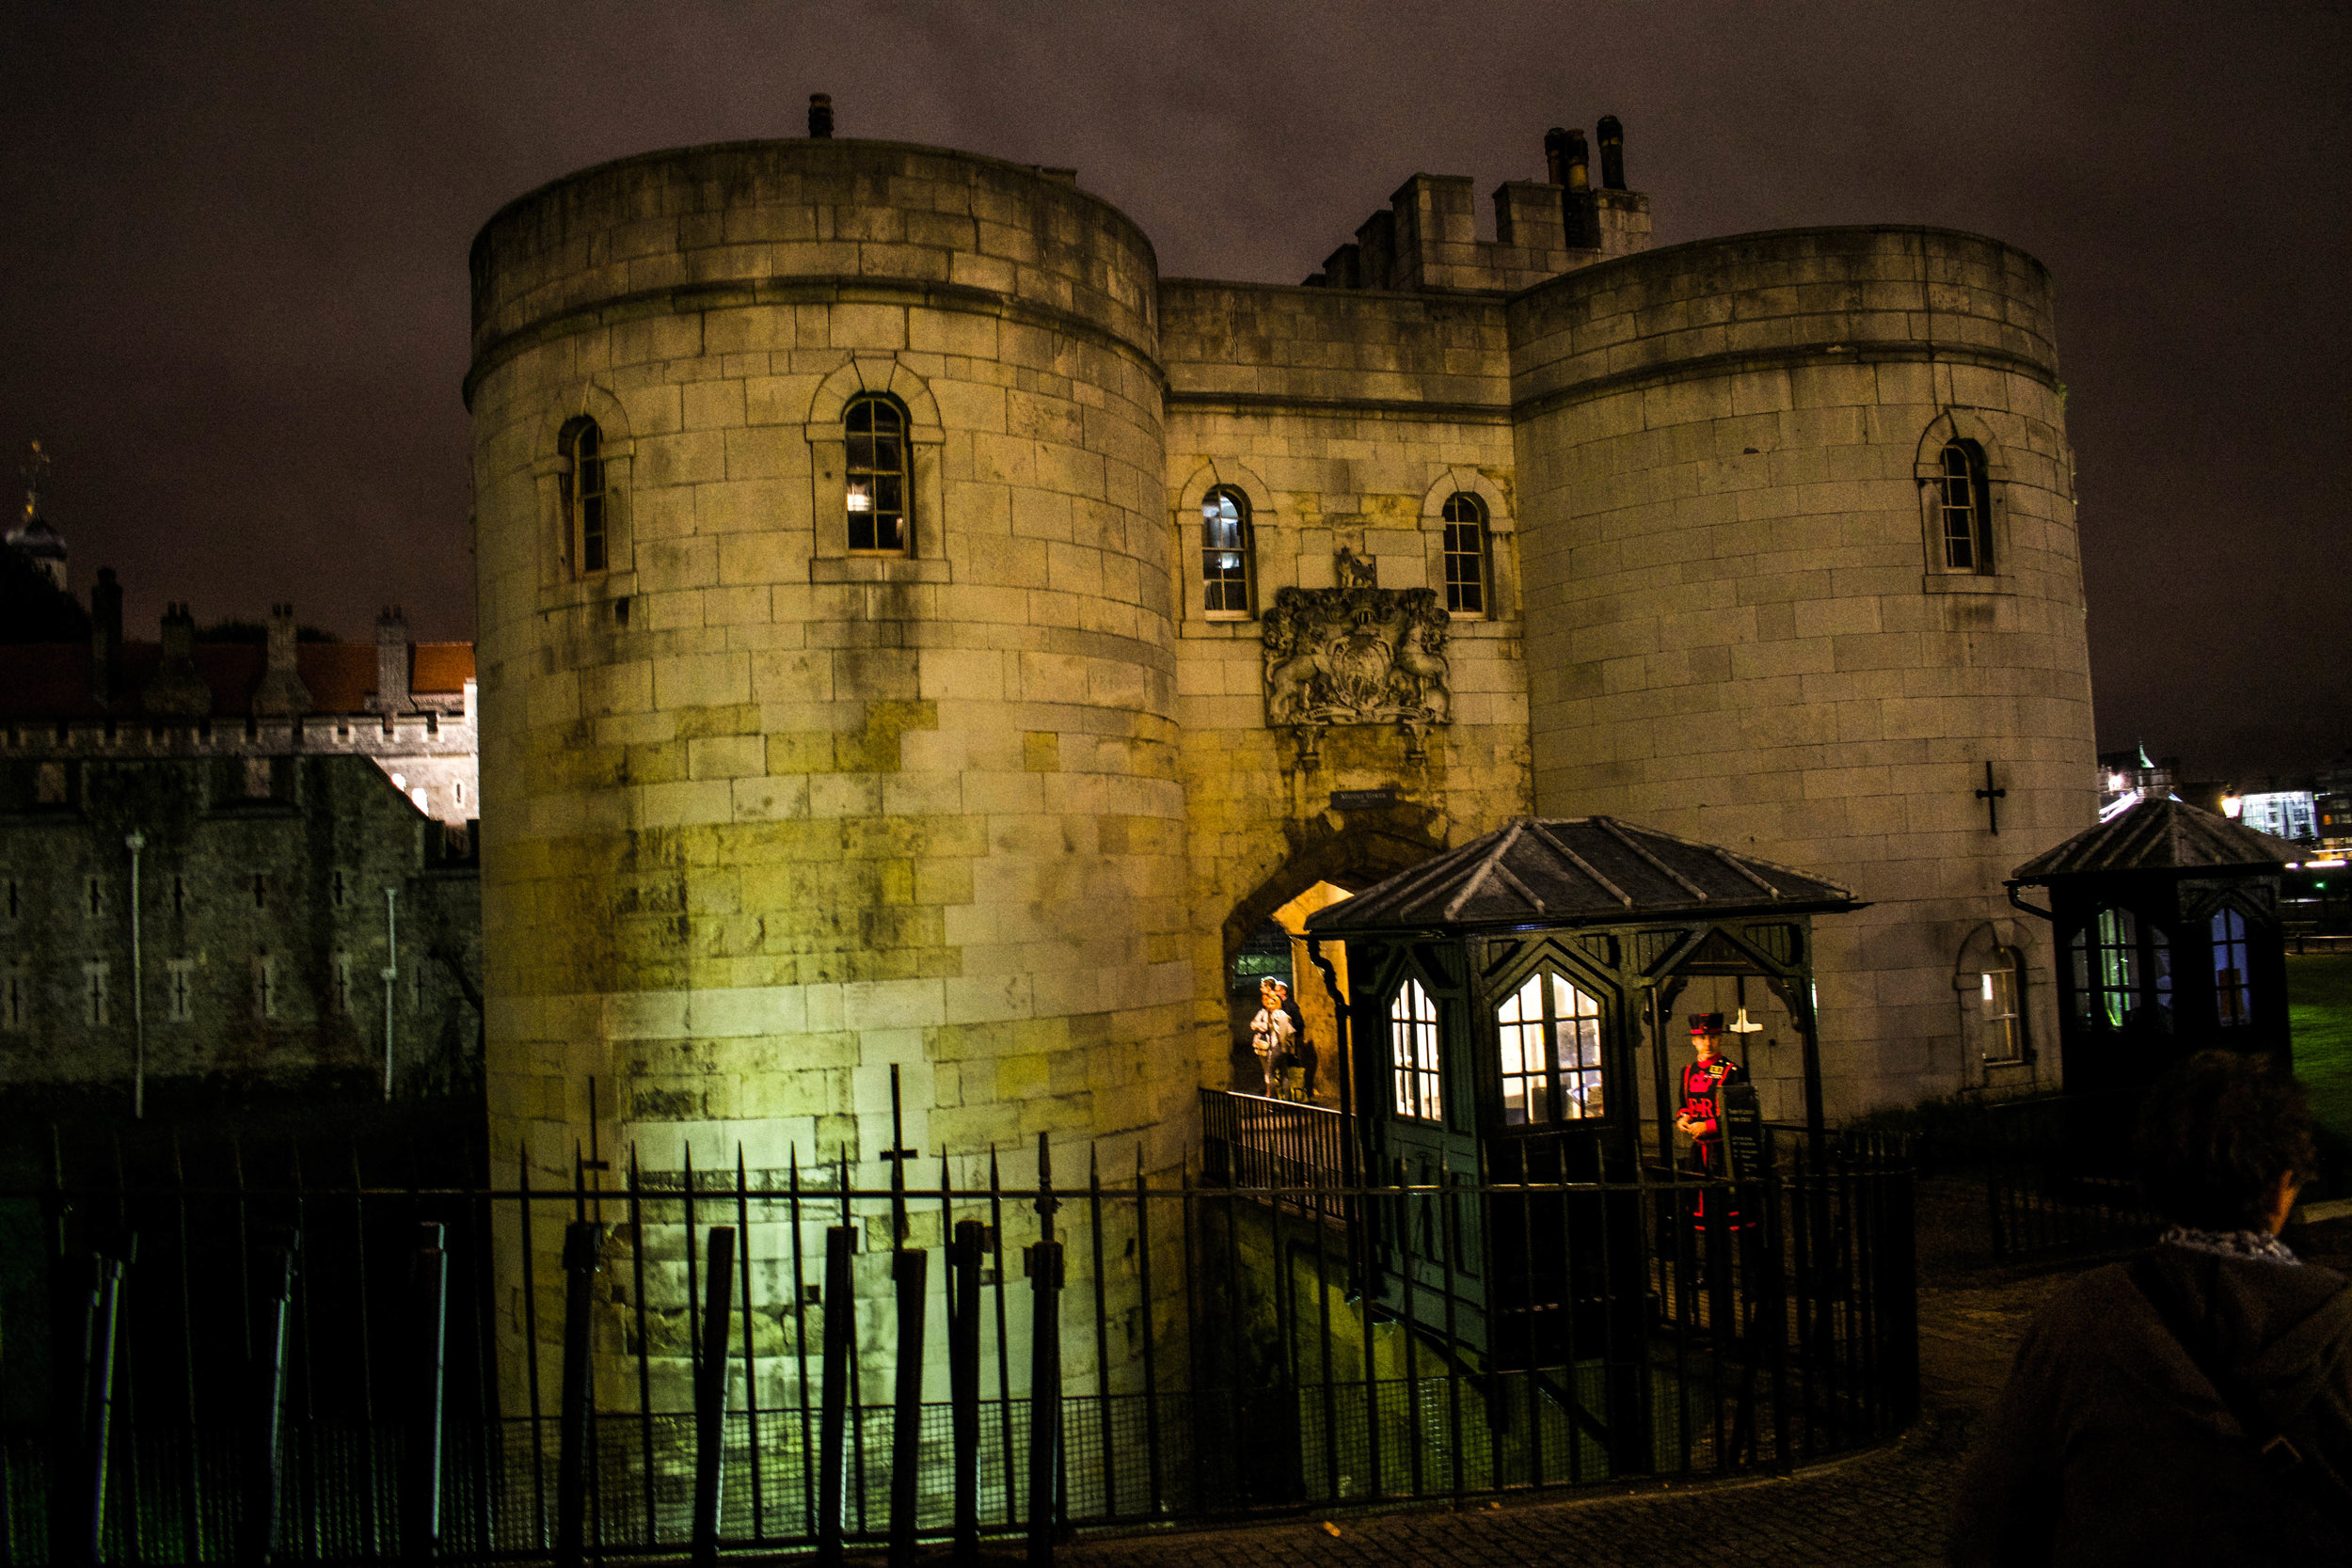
1357, 655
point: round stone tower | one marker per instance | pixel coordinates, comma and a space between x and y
827, 664
1798, 536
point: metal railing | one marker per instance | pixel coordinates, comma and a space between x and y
689, 1361
1302, 1150
2056, 1179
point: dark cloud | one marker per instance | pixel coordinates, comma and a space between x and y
232, 291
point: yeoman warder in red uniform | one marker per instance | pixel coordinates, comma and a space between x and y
1699, 1119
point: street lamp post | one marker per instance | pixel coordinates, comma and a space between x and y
135, 843
391, 973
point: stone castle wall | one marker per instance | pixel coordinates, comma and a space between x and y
802, 816
1741, 628
770, 820
766, 819
1347, 419
782, 816
262, 931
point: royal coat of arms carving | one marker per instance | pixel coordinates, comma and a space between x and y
1357, 655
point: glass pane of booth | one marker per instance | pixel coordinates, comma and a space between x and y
1413, 1054
1575, 1031
2232, 982
1547, 1036
1526, 1061
2123, 971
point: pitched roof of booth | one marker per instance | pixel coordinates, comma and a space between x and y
1573, 871
2160, 835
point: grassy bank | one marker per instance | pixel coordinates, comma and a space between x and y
2319, 1006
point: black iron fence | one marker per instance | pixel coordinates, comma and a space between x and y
982, 1350
2058, 1177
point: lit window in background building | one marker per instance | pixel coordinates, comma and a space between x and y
2286, 813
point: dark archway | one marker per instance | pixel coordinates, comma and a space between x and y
1353, 852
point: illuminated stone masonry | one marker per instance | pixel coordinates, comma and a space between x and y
915, 633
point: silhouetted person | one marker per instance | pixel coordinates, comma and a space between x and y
2195, 1404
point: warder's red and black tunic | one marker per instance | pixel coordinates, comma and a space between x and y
1699, 1083
1700, 1079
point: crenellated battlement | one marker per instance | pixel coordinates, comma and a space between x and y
1427, 239
422, 734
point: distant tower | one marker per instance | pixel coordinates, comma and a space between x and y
32, 535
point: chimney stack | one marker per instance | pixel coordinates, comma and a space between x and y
176, 690
281, 693
1612, 136
392, 662
821, 114
105, 637
1571, 167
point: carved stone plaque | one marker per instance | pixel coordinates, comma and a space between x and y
1357, 655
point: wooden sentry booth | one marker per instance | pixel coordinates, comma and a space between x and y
2167, 924
1499, 997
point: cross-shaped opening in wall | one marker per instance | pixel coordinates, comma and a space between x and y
1992, 799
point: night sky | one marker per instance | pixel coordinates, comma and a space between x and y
233, 245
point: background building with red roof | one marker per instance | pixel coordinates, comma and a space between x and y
246, 863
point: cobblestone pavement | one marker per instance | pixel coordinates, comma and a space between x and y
1885, 1508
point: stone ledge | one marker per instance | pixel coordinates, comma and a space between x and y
878, 569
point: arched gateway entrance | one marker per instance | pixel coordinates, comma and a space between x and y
1265, 937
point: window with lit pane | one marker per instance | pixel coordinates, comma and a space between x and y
1965, 508
876, 483
2232, 981
2123, 971
2004, 1036
1225, 552
1466, 586
1548, 1032
1413, 1054
582, 486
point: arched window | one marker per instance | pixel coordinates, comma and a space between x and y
1549, 1034
877, 479
2123, 971
1225, 552
1413, 1054
1965, 508
1466, 578
582, 482
2004, 1033
2232, 981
